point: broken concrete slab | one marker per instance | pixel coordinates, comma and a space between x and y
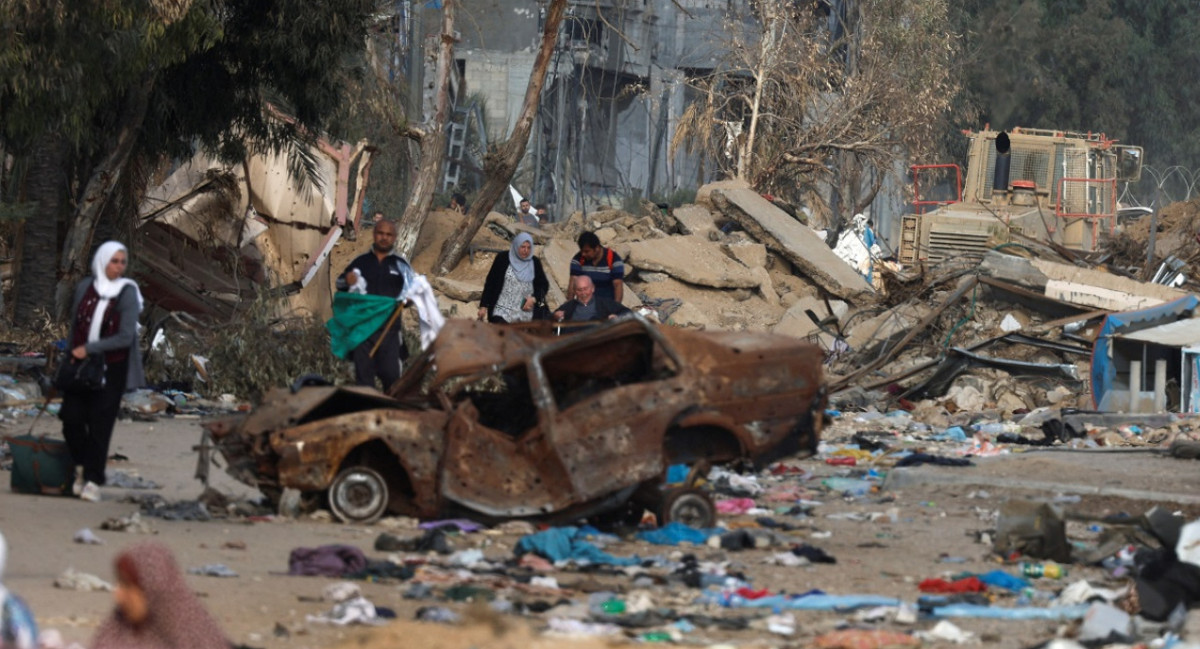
896, 320
704, 194
765, 286
1012, 269
457, 290
692, 259
750, 254
506, 227
606, 235
1103, 297
1072, 284
645, 229
1080, 286
795, 241
796, 323
688, 315
695, 219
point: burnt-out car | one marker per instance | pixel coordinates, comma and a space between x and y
499, 422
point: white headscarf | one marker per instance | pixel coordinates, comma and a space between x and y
108, 289
523, 268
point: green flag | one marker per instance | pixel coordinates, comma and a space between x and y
355, 318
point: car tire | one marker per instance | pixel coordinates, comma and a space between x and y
689, 506
358, 494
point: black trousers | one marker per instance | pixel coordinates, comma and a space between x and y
88, 420
385, 364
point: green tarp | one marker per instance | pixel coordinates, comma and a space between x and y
355, 318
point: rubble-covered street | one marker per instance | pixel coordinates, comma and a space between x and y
964, 489
727, 324
866, 535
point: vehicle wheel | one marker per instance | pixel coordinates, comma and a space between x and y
689, 506
358, 495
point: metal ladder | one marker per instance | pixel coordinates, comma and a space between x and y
456, 142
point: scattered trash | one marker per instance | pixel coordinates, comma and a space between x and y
213, 570
357, 610
132, 523
87, 537
71, 579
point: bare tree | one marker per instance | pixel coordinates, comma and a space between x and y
433, 143
832, 94
500, 162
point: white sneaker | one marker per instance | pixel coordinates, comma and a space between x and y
90, 492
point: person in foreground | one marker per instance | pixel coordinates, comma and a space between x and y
155, 607
515, 284
18, 629
104, 320
586, 305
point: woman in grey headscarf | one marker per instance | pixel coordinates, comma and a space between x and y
515, 285
104, 321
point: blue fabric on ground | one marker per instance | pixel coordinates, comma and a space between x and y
1001, 579
569, 543
676, 533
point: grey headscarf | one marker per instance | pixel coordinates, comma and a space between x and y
523, 268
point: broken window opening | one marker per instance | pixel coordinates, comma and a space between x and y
578, 373
504, 401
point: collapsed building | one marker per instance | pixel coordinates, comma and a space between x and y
213, 235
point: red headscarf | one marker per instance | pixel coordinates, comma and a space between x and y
174, 619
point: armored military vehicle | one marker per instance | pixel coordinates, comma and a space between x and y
1052, 186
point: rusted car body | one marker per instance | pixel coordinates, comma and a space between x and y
498, 422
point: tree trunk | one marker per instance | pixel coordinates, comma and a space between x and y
433, 144
74, 262
46, 185
500, 163
766, 47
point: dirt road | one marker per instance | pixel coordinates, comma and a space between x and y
885, 544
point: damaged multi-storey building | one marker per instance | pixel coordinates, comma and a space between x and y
616, 88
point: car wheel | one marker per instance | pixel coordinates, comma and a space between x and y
358, 495
689, 506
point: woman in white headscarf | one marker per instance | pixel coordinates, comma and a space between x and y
18, 629
104, 321
515, 285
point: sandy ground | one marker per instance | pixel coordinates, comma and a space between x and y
263, 607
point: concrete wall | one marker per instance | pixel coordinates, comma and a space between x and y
497, 25
502, 79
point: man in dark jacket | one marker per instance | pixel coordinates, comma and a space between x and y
379, 271
586, 305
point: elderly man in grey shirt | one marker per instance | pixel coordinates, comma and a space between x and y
586, 306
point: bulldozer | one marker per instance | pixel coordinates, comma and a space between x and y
1021, 185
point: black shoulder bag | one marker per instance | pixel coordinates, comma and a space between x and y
76, 376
